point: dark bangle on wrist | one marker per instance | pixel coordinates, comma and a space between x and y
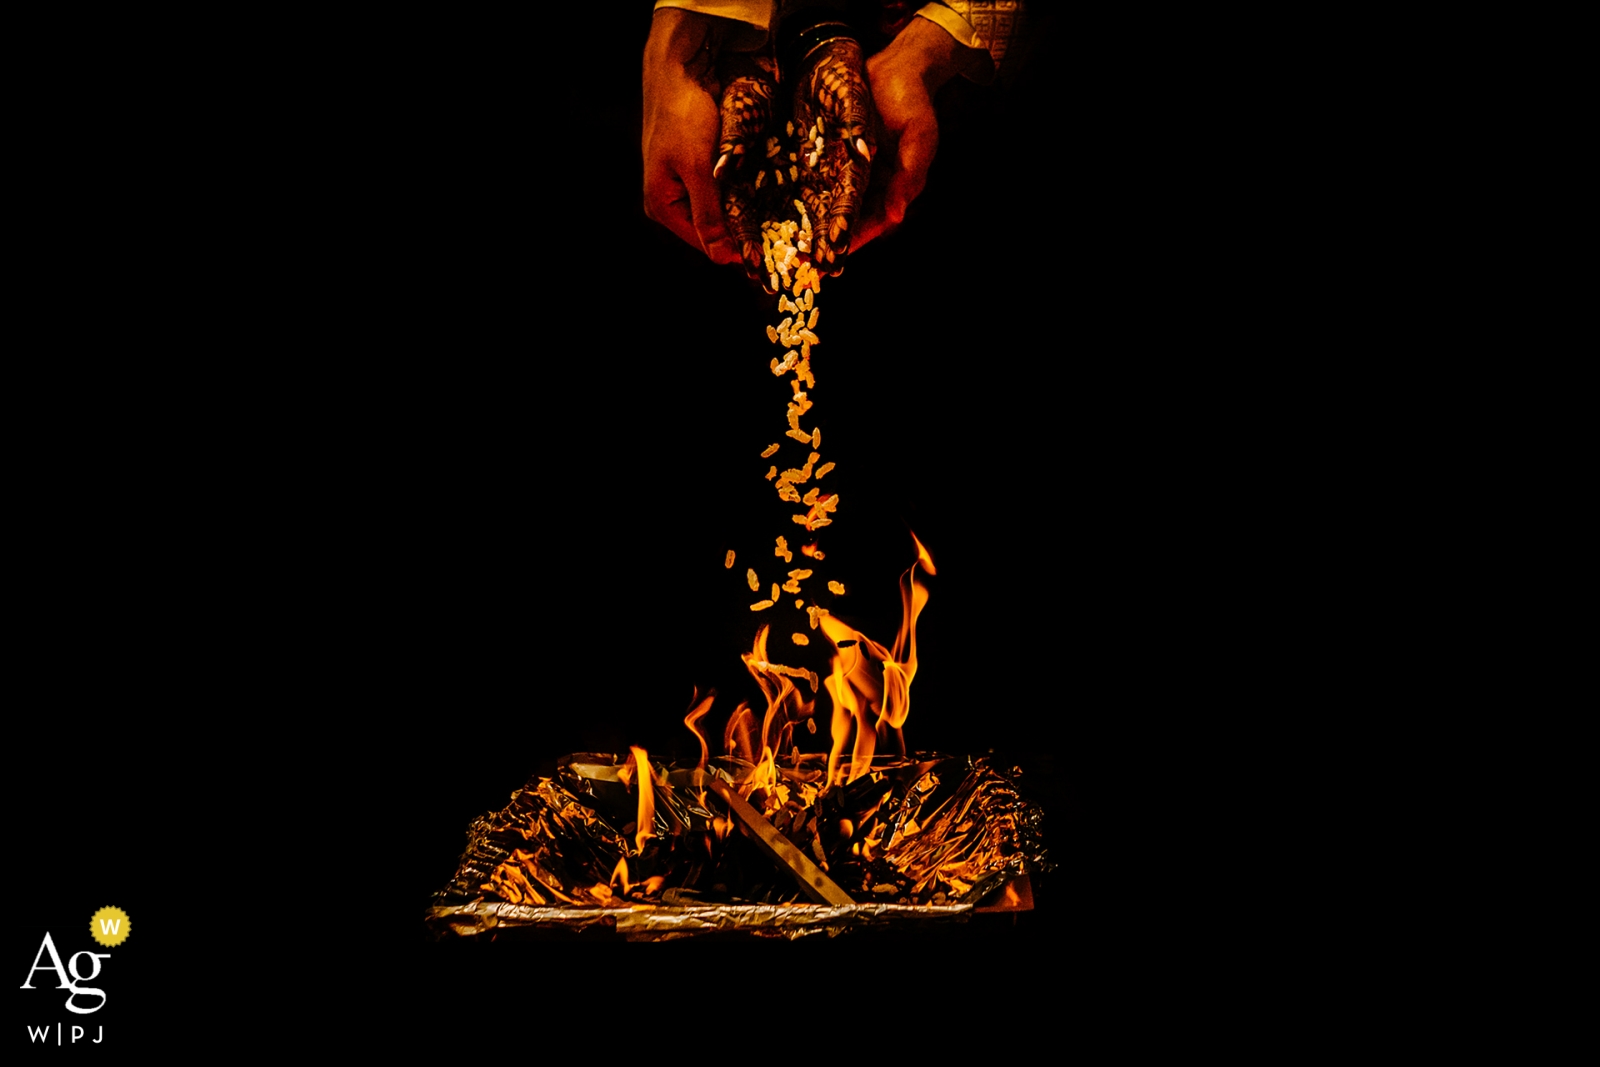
795, 45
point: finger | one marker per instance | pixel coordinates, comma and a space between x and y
839, 85
746, 113
913, 157
872, 226
681, 206
667, 201
705, 212
744, 228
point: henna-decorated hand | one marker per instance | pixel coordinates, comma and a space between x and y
742, 162
832, 99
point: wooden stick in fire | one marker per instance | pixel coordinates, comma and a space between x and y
816, 885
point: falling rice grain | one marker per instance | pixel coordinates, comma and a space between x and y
800, 639
750, 576
824, 469
728, 563
770, 450
761, 605
836, 588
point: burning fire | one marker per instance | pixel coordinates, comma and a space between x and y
647, 800
870, 679
798, 809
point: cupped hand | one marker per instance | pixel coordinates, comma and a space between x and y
834, 124
681, 129
904, 78
742, 156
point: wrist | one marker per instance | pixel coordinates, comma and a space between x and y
679, 38
936, 53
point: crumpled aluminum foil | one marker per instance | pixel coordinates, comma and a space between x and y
646, 923
946, 833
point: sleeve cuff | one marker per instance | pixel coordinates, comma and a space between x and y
959, 28
947, 20
754, 16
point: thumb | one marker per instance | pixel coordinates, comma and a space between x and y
914, 156
705, 208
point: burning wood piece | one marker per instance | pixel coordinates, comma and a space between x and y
813, 882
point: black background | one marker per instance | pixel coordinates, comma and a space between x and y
424, 466
385, 452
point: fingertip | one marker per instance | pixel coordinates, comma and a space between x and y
720, 251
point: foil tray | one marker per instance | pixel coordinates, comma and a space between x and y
564, 833
643, 923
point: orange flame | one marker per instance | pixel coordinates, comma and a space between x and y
647, 799
697, 713
872, 677
922, 555
736, 735
621, 871
759, 666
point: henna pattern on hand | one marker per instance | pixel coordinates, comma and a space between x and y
835, 91
746, 119
762, 167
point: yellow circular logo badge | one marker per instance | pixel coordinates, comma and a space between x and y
109, 926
